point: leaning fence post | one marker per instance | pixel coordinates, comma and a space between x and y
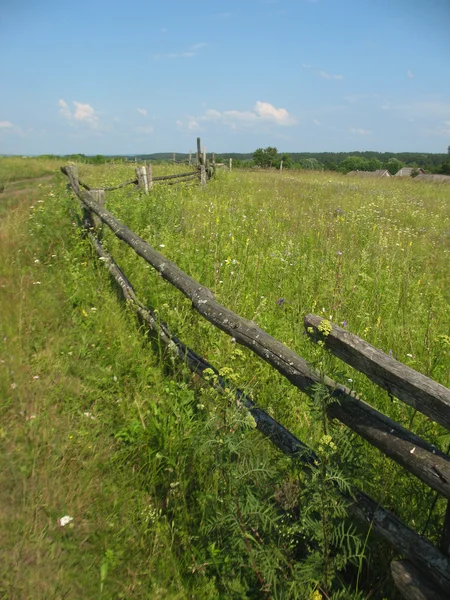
141, 174
150, 176
203, 175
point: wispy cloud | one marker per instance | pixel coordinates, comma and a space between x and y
83, 113
359, 131
326, 75
191, 124
263, 112
189, 53
316, 122
6, 125
306, 66
142, 111
410, 74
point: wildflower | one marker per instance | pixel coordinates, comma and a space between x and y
89, 415
344, 323
35, 376
409, 355
36, 260
162, 245
36, 283
13, 386
63, 521
390, 353
281, 301
339, 253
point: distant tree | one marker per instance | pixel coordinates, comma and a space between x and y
354, 163
287, 161
312, 163
373, 164
393, 165
265, 157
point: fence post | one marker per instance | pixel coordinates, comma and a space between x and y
173, 157
149, 176
141, 174
204, 155
213, 156
231, 163
190, 157
203, 175
281, 166
99, 197
199, 157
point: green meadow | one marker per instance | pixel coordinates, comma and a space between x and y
171, 491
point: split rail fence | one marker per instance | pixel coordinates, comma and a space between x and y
424, 570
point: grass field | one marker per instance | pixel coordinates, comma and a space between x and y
172, 492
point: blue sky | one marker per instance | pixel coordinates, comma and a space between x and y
147, 76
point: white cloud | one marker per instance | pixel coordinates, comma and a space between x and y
189, 53
142, 111
359, 131
306, 66
269, 112
262, 112
83, 113
410, 74
6, 124
64, 110
191, 124
317, 122
326, 75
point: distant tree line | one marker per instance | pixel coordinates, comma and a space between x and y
342, 162
269, 157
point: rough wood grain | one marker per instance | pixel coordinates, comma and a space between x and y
141, 175
417, 390
413, 453
165, 177
413, 584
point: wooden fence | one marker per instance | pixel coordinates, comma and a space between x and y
205, 170
424, 572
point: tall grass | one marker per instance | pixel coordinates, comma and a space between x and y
172, 491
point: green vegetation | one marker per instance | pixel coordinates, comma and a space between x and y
172, 492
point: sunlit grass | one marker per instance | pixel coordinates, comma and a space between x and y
98, 425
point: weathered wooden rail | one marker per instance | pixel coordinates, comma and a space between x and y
144, 179
416, 455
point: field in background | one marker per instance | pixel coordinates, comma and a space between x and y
163, 479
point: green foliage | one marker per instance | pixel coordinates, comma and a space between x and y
266, 157
393, 165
